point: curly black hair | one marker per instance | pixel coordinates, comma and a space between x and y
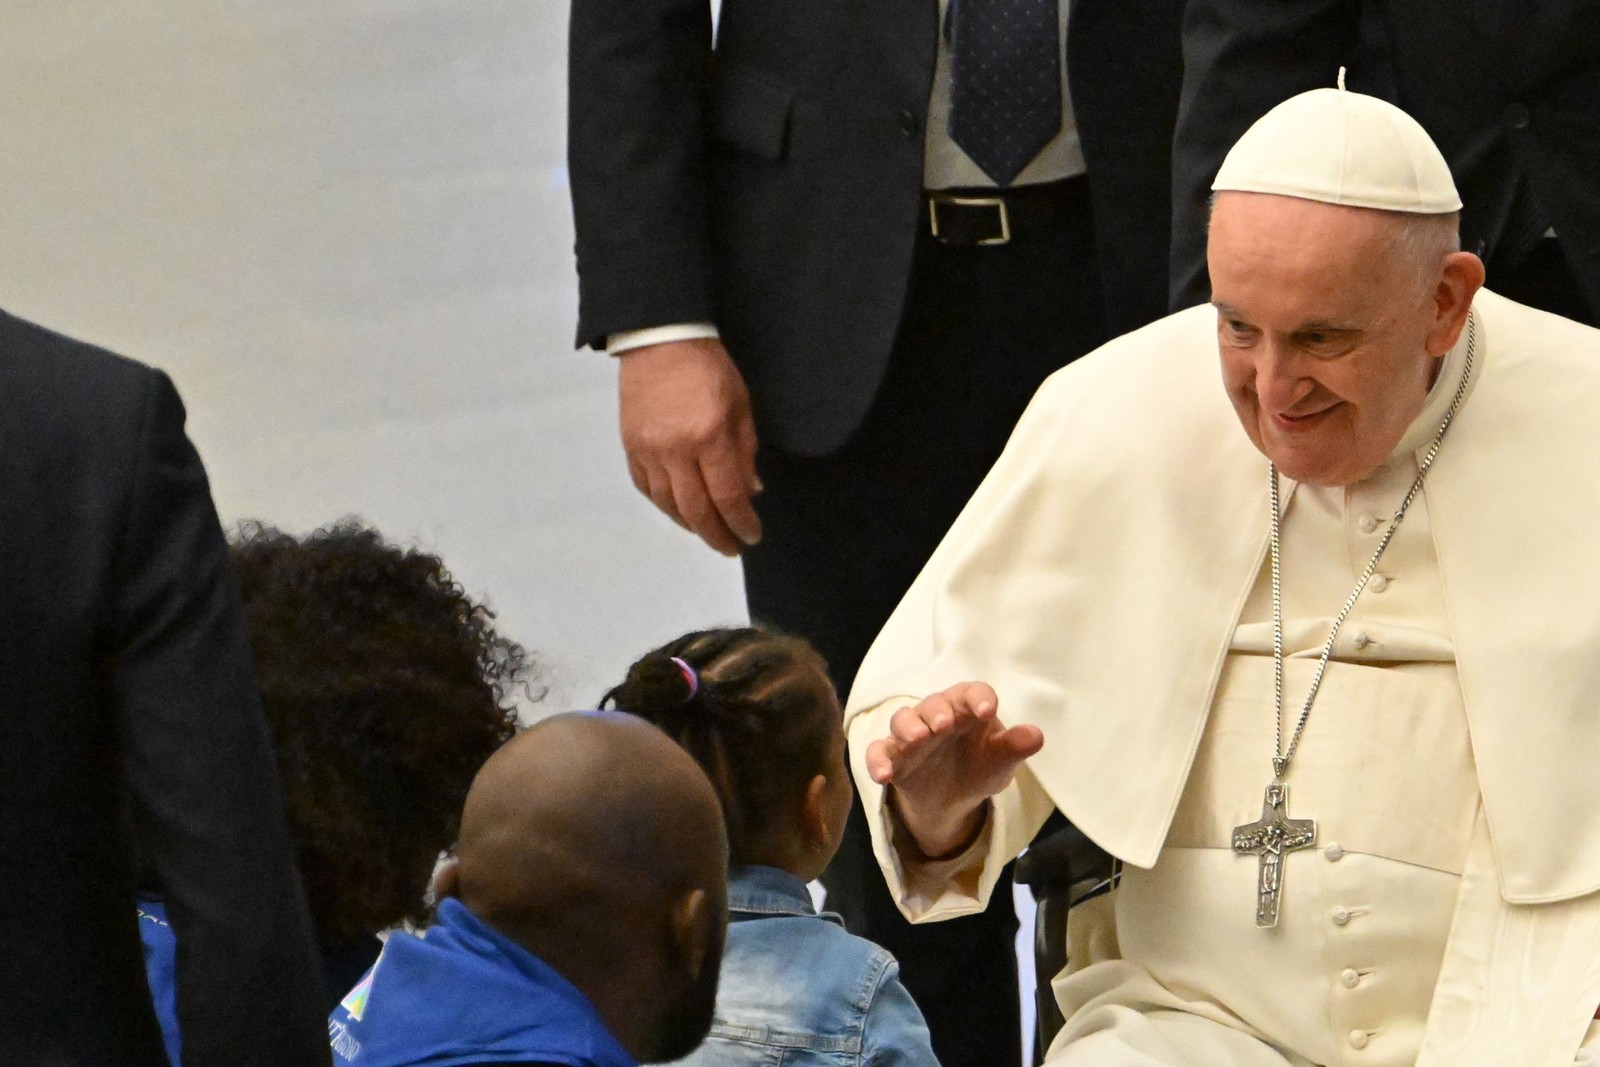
385, 687
753, 717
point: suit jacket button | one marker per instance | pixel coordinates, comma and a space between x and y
1516, 116
908, 123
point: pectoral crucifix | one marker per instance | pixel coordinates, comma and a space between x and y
1272, 837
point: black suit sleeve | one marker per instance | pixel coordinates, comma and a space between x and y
638, 82
207, 812
1241, 58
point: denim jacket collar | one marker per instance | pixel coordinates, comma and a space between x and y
756, 890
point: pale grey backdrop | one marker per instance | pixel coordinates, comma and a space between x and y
342, 226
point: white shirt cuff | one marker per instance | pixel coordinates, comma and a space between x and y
627, 340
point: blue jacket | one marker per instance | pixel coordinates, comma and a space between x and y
796, 989
161, 970
464, 994
343, 963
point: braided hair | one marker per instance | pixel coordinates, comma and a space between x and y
750, 710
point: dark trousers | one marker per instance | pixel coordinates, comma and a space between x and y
845, 534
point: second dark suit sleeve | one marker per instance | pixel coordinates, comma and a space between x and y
208, 818
1241, 58
638, 103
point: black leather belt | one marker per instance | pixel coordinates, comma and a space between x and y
977, 217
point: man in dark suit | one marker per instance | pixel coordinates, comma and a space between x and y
1509, 92
829, 250
131, 737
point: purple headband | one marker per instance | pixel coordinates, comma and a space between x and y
689, 676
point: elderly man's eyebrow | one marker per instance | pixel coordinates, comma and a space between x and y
1327, 326
1314, 326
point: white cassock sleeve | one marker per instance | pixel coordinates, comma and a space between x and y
1093, 582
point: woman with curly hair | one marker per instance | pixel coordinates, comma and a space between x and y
385, 688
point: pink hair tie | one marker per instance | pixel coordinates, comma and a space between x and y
690, 676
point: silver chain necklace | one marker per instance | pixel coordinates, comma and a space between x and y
1275, 835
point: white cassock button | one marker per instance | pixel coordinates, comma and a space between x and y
1361, 640
1358, 1039
1334, 853
1350, 977
1378, 583
1366, 522
1340, 915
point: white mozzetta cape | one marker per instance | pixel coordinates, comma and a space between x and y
1096, 577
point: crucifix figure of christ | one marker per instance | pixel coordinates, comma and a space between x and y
1272, 837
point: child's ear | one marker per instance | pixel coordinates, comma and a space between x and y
814, 814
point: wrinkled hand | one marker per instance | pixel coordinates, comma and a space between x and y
944, 758
690, 440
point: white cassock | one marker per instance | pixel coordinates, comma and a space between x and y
1108, 580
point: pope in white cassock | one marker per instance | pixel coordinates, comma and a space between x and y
1329, 687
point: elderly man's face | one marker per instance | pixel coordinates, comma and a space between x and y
1324, 332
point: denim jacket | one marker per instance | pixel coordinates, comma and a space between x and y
798, 991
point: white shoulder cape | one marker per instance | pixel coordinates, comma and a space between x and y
1096, 576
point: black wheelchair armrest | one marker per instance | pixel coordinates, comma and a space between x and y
1062, 860
1063, 868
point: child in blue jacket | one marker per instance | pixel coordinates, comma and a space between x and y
758, 712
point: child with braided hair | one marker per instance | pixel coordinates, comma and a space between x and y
756, 709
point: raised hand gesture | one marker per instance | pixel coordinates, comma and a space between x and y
944, 758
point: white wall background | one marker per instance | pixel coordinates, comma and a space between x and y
342, 226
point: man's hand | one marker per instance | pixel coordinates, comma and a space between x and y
944, 758
690, 440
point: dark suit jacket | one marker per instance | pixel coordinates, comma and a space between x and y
1509, 91
130, 731
774, 187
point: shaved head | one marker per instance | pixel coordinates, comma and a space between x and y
598, 844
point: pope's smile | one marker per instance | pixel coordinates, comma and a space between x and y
1288, 423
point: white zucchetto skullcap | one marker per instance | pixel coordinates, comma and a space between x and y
1340, 147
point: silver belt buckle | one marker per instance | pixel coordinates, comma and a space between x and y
996, 202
